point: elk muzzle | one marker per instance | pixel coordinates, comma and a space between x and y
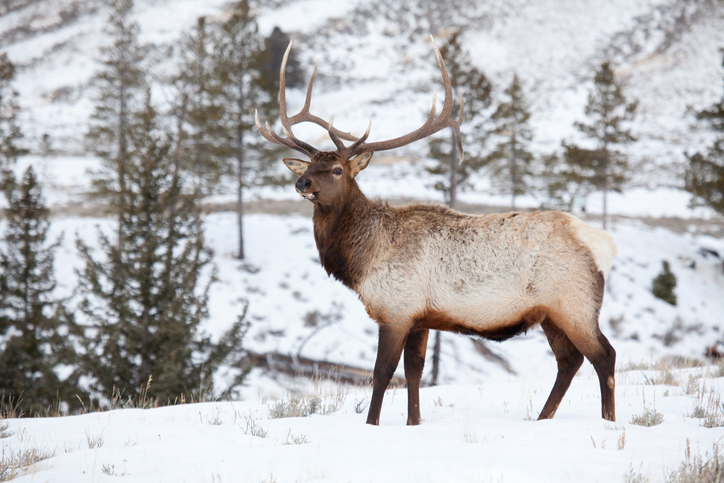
302, 186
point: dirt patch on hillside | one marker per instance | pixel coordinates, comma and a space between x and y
696, 226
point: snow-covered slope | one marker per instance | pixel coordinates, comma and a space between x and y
469, 433
295, 309
376, 61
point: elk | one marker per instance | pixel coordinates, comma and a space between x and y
423, 267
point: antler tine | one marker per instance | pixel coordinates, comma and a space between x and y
302, 115
447, 104
353, 148
433, 124
335, 139
290, 141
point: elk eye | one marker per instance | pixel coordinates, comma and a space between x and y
337, 171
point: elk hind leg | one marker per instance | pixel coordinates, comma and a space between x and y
415, 349
603, 358
569, 360
596, 348
389, 351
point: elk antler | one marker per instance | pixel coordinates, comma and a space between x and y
303, 115
433, 124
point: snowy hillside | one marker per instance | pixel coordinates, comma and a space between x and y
376, 63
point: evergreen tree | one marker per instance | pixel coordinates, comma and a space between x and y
202, 150
603, 167
145, 298
34, 326
664, 284
510, 161
270, 60
10, 133
121, 84
705, 173
237, 59
553, 184
476, 94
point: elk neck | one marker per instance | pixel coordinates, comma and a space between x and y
345, 233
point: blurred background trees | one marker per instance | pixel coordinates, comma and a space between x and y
510, 162
451, 175
10, 134
37, 332
145, 297
601, 164
704, 176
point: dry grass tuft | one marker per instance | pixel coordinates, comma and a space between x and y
650, 417
11, 461
709, 469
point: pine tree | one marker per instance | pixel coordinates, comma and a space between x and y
237, 56
664, 284
146, 296
603, 167
10, 133
476, 95
121, 84
35, 327
553, 183
705, 173
510, 161
202, 150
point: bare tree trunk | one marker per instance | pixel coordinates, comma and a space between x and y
451, 203
122, 153
605, 185
436, 359
513, 183
240, 207
240, 174
453, 175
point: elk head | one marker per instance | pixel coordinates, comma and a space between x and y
329, 173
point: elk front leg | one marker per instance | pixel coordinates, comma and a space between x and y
415, 349
389, 351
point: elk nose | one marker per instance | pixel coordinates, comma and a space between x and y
303, 184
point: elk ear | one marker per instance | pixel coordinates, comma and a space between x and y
360, 162
296, 166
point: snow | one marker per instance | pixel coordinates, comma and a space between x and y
476, 432
475, 426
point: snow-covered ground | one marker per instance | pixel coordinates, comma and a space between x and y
380, 67
472, 432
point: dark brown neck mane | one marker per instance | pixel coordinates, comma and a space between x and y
344, 233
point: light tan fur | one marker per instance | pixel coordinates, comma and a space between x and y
485, 272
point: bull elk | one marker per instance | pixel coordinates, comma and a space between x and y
423, 267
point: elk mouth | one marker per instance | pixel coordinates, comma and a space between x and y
308, 196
